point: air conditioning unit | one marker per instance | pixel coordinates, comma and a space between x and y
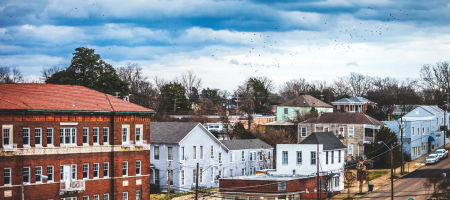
10, 148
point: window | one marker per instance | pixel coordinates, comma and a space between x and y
336, 181
341, 130
125, 196
26, 175
68, 136
96, 197
156, 152
138, 167
212, 175
50, 173
95, 135
38, 136
105, 169
332, 157
85, 197
339, 156
170, 174
220, 157
212, 151
26, 137
313, 157
231, 172
286, 111
105, 135
303, 131
74, 172
350, 149
260, 155
351, 131
86, 171
169, 153
201, 152
7, 138
138, 195
95, 169
38, 173
251, 156
231, 156
138, 133
7, 176
61, 172
299, 157
124, 168
194, 152
125, 134
182, 153
182, 177
243, 156
412, 131
49, 136
201, 175
326, 157
243, 171
85, 135
282, 186
285, 157
106, 196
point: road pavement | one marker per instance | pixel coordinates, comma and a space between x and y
412, 185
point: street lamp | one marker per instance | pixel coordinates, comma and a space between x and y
392, 167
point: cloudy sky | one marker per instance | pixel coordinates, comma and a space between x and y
225, 42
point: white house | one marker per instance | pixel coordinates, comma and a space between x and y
302, 159
184, 144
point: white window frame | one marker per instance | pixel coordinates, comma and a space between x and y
140, 127
124, 195
182, 177
124, 168
156, 152
105, 169
201, 152
341, 133
96, 197
220, 157
95, 135
93, 170
194, 152
72, 133
242, 155
231, 156
28, 175
10, 137
313, 156
106, 196
36, 130
138, 167
86, 170
350, 150
351, 131
169, 153
73, 170
212, 151
9, 176
38, 173
26, 136
301, 131
105, 135
299, 158
125, 134
85, 135
212, 174
52, 131
182, 153
52, 172
85, 197
200, 171
285, 158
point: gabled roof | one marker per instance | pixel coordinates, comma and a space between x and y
423, 112
360, 100
306, 101
61, 98
246, 144
328, 139
344, 118
170, 132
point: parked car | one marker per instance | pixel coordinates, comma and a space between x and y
432, 159
442, 153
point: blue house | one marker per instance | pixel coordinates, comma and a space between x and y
421, 130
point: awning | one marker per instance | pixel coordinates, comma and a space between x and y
430, 138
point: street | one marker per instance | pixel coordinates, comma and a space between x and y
412, 185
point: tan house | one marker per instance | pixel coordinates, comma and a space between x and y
353, 129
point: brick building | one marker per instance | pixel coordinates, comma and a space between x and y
70, 142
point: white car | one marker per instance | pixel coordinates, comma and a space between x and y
442, 153
432, 159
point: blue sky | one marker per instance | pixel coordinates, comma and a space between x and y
225, 42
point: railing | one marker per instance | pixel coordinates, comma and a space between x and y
10, 148
71, 186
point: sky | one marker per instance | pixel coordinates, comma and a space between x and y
226, 42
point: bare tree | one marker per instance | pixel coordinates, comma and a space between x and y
294, 88
10, 76
341, 87
359, 84
48, 72
190, 82
142, 91
436, 80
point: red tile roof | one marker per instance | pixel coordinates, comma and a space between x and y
52, 97
306, 101
344, 118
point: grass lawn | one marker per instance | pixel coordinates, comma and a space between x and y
375, 173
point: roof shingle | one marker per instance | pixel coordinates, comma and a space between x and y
52, 97
345, 118
170, 132
328, 139
246, 144
306, 101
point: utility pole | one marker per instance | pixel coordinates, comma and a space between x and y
318, 173
237, 105
392, 173
196, 184
168, 180
175, 105
445, 119
402, 168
